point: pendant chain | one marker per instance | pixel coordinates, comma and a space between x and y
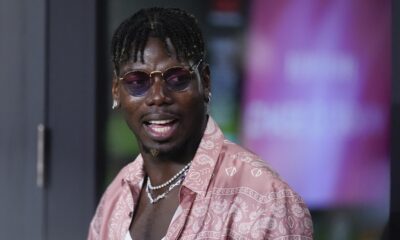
172, 186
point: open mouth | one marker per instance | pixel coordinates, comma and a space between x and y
161, 129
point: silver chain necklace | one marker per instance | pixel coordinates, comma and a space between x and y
170, 180
164, 194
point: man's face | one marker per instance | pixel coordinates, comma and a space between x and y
162, 119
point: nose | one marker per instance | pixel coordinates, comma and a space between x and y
157, 95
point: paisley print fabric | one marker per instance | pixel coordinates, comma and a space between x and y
228, 193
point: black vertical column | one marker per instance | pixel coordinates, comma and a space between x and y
395, 126
71, 118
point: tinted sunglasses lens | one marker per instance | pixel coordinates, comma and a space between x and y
137, 83
178, 78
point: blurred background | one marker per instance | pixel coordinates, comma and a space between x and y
307, 85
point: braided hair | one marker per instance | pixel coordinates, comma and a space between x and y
180, 27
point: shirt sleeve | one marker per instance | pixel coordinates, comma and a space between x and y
287, 219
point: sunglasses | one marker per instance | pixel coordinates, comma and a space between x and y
177, 79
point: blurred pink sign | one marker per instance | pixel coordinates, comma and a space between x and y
317, 96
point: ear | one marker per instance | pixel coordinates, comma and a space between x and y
206, 81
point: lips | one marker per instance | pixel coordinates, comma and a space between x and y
160, 128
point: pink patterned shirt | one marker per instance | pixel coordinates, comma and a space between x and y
228, 193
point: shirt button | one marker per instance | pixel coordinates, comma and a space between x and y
123, 182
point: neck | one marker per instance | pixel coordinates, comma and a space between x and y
161, 166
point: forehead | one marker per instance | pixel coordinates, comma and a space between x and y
156, 55
155, 47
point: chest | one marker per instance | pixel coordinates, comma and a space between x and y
151, 221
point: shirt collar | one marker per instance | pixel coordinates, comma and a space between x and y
134, 172
205, 159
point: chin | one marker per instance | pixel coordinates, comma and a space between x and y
168, 148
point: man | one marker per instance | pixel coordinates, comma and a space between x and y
188, 181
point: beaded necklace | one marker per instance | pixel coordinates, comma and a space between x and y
178, 178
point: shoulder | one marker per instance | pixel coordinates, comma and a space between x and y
270, 206
241, 167
129, 172
111, 198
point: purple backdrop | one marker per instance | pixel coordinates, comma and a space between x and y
317, 96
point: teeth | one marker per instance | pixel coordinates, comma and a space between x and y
161, 129
160, 122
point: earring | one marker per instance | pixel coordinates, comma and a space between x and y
115, 104
208, 103
209, 97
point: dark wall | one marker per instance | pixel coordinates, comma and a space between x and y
22, 97
71, 117
47, 76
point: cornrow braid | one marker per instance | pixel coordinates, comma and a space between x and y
180, 27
